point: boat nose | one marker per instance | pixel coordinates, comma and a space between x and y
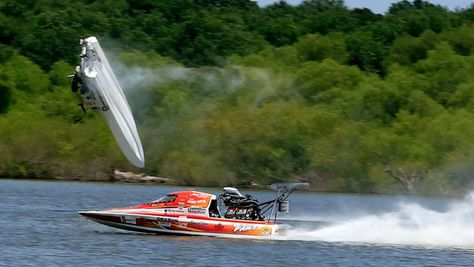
84, 213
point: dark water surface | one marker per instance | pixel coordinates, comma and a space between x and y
39, 226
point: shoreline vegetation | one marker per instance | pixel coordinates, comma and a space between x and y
229, 93
132, 178
139, 181
252, 186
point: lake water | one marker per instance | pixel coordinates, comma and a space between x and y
39, 226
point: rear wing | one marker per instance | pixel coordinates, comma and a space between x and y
281, 203
289, 186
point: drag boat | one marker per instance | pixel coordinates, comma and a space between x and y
100, 90
197, 213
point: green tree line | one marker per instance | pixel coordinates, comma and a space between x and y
227, 92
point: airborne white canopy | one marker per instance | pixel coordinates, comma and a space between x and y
108, 97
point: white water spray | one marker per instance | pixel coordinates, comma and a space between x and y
410, 224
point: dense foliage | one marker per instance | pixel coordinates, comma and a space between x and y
226, 92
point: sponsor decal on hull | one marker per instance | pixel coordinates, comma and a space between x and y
166, 219
252, 229
180, 224
197, 210
240, 227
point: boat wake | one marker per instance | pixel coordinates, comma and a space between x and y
408, 224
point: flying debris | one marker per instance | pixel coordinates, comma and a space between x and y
101, 90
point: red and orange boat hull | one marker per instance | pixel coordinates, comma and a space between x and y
141, 221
